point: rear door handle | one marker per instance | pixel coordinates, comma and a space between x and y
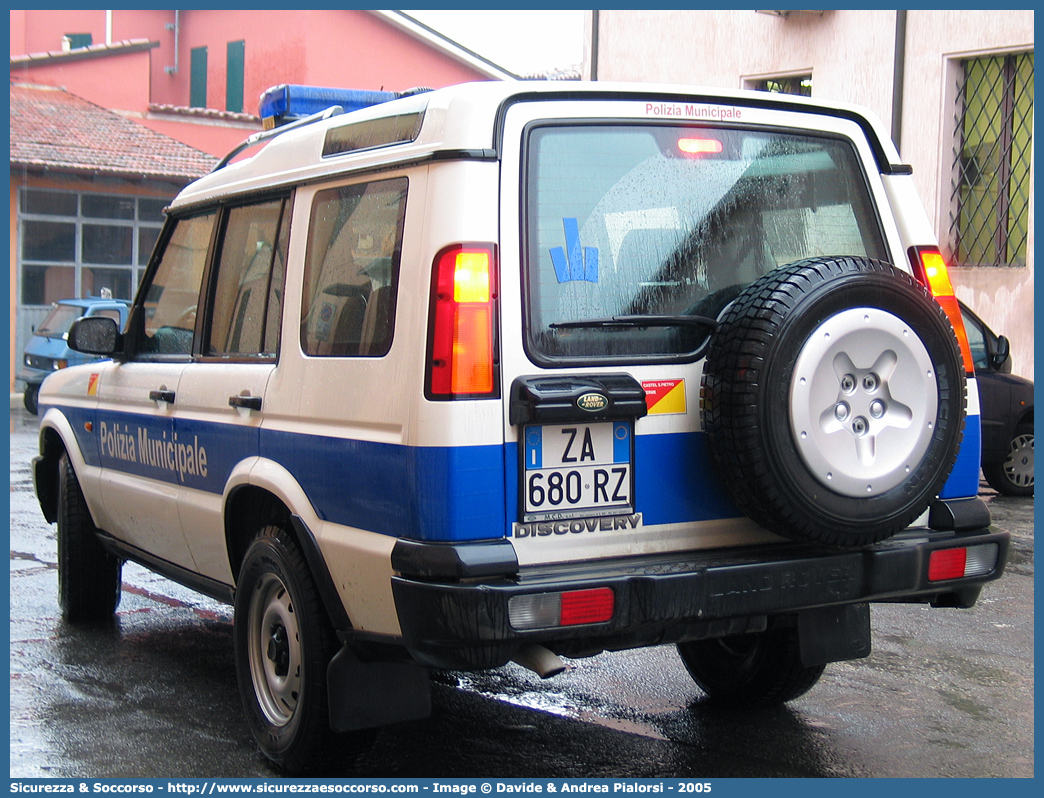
245, 401
162, 395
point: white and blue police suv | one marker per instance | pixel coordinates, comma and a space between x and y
518, 371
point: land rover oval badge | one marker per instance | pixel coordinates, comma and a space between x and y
592, 402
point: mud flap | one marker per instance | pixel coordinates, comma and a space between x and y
366, 695
832, 634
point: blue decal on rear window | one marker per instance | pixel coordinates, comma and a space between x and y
574, 263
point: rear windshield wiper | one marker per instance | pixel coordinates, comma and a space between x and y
640, 321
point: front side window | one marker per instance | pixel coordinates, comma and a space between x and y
352, 269
645, 220
171, 298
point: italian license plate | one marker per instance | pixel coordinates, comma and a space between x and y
572, 470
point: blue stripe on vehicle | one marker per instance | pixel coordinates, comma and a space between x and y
196, 454
675, 481
425, 493
964, 479
435, 493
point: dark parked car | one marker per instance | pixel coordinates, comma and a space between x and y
1006, 403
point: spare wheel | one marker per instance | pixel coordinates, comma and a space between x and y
833, 400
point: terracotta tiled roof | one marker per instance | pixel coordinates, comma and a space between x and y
205, 113
83, 53
54, 129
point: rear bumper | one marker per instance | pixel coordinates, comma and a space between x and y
453, 605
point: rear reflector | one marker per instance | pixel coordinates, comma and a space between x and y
958, 563
930, 268
572, 608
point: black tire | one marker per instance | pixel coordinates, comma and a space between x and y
833, 400
89, 577
751, 670
31, 397
283, 643
1014, 476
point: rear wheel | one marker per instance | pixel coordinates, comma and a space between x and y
750, 670
283, 644
89, 577
1014, 476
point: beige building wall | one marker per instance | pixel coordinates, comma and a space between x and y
851, 56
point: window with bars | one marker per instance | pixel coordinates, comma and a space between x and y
792, 84
990, 195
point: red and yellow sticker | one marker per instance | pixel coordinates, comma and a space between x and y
664, 396
92, 385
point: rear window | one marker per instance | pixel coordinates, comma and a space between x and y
673, 221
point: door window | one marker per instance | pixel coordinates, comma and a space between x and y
248, 287
171, 298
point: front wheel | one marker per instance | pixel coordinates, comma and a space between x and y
1014, 476
31, 397
89, 577
283, 643
750, 670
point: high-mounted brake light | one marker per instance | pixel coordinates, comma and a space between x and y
944, 564
461, 338
699, 146
571, 608
930, 268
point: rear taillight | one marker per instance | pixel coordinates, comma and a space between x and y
461, 344
944, 564
570, 608
930, 269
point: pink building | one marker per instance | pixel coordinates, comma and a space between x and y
114, 111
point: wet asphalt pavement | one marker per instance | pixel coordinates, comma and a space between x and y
153, 694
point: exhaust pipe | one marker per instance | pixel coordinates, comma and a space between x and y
542, 661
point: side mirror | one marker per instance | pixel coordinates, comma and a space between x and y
1001, 353
95, 335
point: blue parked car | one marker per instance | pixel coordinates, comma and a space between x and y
47, 351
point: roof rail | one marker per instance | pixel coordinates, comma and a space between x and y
264, 135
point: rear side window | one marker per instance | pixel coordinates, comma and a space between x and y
352, 269
673, 221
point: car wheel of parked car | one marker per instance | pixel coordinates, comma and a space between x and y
89, 577
833, 399
1014, 477
31, 398
283, 644
750, 670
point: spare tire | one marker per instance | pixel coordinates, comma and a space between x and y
833, 400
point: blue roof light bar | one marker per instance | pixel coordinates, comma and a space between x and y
287, 102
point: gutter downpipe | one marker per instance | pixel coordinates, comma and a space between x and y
898, 77
594, 45
176, 27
